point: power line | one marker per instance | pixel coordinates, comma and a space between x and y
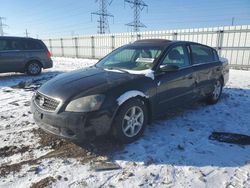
73, 12
138, 6
103, 25
2, 25
64, 8
55, 17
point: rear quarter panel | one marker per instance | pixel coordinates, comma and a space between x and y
38, 55
225, 69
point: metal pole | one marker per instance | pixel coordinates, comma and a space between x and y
112, 42
233, 19
76, 46
26, 33
93, 46
1, 27
62, 50
219, 41
138, 36
175, 36
50, 46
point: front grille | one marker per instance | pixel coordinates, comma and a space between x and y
45, 102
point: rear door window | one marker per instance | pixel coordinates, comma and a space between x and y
3, 45
15, 44
201, 54
31, 45
9, 44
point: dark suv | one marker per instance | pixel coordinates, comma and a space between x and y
23, 55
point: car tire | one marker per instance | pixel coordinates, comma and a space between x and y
130, 121
216, 94
33, 68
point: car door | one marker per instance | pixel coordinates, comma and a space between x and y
175, 88
11, 56
205, 68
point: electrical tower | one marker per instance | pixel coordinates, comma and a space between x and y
138, 6
103, 25
2, 25
26, 33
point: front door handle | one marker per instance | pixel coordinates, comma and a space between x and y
195, 84
190, 76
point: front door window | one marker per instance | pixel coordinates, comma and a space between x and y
177, 56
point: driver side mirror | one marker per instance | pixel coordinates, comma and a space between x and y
169, 68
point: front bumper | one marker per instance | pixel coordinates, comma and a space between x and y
71, 125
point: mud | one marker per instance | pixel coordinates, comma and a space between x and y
46, 182
11, 150
100, 150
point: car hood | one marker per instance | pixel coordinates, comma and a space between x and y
83, 82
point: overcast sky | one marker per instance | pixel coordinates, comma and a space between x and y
58, 18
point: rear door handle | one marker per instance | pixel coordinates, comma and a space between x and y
190, 77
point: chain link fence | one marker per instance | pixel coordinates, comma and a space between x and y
232, 42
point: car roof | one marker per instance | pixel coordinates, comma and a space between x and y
152, 41
164, 42
13, 37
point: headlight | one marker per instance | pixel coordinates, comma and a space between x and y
85, 104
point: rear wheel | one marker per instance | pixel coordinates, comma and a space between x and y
34, 68
130, 121
216, 94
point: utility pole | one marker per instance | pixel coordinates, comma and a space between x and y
103, 25
2, 25
26, 33
233, 19
138, 6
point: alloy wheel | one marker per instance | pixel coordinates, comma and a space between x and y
133, 121
34, 68
217, 90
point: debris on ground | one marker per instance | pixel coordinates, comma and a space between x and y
231, 138
105, 165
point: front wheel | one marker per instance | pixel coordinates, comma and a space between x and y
216, 94
130, 121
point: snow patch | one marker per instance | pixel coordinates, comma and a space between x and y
130, 94
148, 73
114, 70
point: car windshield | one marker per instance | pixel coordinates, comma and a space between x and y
131, 58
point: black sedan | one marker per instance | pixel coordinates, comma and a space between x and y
129, 88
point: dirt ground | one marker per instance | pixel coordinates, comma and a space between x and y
98, 150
